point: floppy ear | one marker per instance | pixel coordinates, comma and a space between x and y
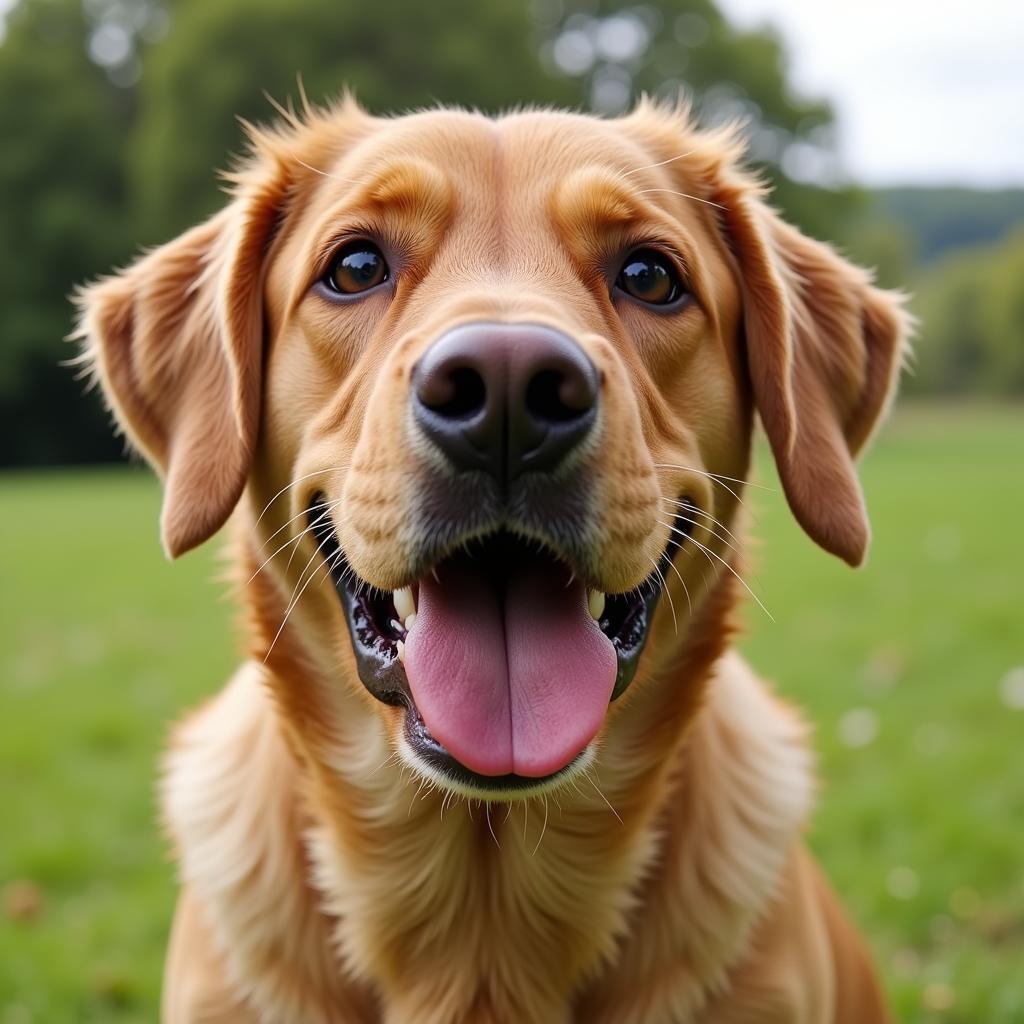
176, 343
824, 350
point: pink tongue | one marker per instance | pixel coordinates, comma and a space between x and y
510, 678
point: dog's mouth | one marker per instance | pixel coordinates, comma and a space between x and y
504, 660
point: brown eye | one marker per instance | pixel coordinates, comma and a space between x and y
650, 277
357, 267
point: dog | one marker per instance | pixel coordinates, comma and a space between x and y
477, 396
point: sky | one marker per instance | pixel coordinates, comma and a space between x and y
924, 92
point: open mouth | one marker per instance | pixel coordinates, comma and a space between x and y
504, 660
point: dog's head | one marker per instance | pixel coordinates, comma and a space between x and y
496, 378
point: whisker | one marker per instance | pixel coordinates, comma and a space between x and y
298, 515
700, 472
660, 163
706, 515
294, 540
543, 827
589, 779
712, 554
716, 476
332, 564
668, 593
310, 528
295, 600
700, 526
325, 174
686, 590
390, 759
288, 487
490, 827
291, 608
324, 514
684, 195
419, 788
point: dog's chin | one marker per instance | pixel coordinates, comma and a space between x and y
501, 660
429, 759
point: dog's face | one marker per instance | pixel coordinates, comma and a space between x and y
496, 379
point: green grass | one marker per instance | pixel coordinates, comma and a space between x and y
901, 667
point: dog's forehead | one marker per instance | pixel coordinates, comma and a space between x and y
520, 158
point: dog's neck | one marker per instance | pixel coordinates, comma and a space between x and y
680, 834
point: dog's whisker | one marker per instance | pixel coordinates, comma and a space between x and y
408, 813
543, 827
326, 174
686, 590
683, 195
689, 536
324, 510
295, 600
716, 476
287, 487
660, 163
713, 554
700, 472
490, 827
597, 789
310, 528
700, 526
290, 609
668, 593
390, 759
714, 520
294, 540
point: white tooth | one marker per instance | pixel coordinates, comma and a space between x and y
595, 602
405, 604
400, 644
396, 626
410, 621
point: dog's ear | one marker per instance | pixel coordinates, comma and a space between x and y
824, 348
176, 342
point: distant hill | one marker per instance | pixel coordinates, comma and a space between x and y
942, 219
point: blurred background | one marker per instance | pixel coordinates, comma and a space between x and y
895, 130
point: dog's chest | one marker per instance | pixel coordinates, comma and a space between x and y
481, 921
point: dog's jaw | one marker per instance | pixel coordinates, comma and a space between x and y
400, 639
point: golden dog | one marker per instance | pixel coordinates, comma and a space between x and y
478, 397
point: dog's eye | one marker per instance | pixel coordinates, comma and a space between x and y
650, 277
357, 267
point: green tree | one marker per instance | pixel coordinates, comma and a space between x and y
971, 307
220, 59
615, 52
62, 218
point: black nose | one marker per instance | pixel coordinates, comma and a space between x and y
505, 398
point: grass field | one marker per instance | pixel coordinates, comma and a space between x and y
912, 671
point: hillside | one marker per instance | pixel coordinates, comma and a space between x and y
943, 219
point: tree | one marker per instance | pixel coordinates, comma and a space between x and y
219, 60
62, 184
614, 52
971, 308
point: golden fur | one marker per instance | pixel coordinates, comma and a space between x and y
323, 880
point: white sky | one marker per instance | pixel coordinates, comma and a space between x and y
923, 91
